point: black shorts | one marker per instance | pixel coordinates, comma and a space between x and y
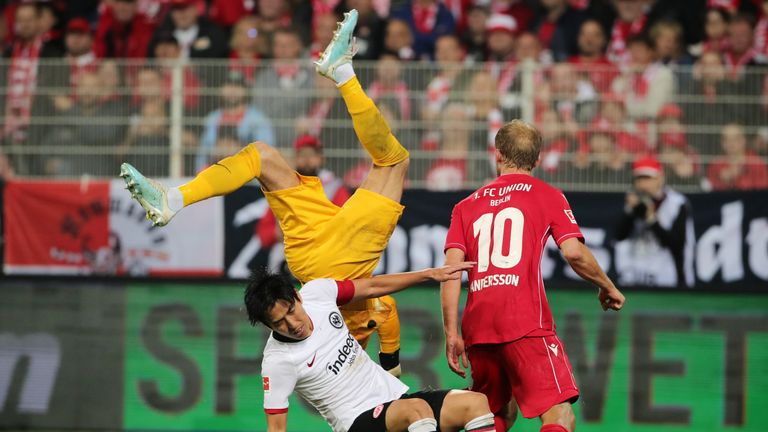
373, 420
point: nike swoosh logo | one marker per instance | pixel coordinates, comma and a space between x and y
313, 361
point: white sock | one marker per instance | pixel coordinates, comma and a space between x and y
175, 199
423, 425
482, 423
343, 73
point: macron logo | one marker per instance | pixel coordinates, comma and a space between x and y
553, 348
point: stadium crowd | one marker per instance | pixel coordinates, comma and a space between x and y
612, 80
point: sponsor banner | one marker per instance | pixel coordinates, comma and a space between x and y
731, 230
61, 355
95, 228
670, 361
192, 245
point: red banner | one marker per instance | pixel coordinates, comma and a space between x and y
57, 227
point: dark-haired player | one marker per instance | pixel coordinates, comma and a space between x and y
507, 328
312, 352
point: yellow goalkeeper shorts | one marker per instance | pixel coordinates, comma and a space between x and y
323, 240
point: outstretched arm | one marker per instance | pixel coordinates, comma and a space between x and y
382, 285
450, 292
582, 261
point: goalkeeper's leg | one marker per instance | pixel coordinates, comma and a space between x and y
255, 161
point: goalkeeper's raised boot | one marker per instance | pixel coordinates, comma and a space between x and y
152, 195
341, 49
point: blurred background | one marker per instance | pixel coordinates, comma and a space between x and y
653, 116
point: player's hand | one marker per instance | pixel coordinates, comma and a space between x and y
450, 272
454, 349
611, 299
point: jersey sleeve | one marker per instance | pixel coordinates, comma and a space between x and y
562, 221
328, 291
279, 379
455, 236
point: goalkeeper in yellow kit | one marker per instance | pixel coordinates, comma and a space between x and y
322, 240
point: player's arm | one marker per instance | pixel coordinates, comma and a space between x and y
382, 285
582, 261
450, 292
277, 422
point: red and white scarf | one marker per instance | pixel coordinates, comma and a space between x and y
424, 18
437, 92
504, 72
22, 81
85, 63
641, 82
734, 65
761, 36
246, 66
617, 47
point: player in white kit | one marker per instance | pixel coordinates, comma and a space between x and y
311, 351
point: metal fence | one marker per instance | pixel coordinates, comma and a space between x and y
706, 124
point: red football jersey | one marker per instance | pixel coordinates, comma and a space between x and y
504, 227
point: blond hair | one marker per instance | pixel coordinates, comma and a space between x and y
519, 144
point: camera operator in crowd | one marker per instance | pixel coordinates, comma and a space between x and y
655, 233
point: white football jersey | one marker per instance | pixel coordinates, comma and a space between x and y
329, 368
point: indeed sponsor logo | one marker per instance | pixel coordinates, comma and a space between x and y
346, 354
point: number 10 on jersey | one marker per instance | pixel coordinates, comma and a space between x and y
493, 226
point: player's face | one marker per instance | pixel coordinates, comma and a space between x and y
290, 320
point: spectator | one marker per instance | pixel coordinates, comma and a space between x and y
681, 164
501, 51
427, 20
667, 38
716, 30
322, 33
630, 22
389, 83
449, 168
703, 99
482, 99
147, 143
91, 122
572, 98
613, 118
448, 56
227, 13
325, 108
48, 20
123, 32
79, 49
473, 38
247, 47
274, 15
601, 161
112, 83
740, 53
517, 9
281, 87
737, 167
655, 233
168, 52
557, 27
647, 84
249, 122
559, 142
197, 36
398, 40
369, 32
25, 77
591, 59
